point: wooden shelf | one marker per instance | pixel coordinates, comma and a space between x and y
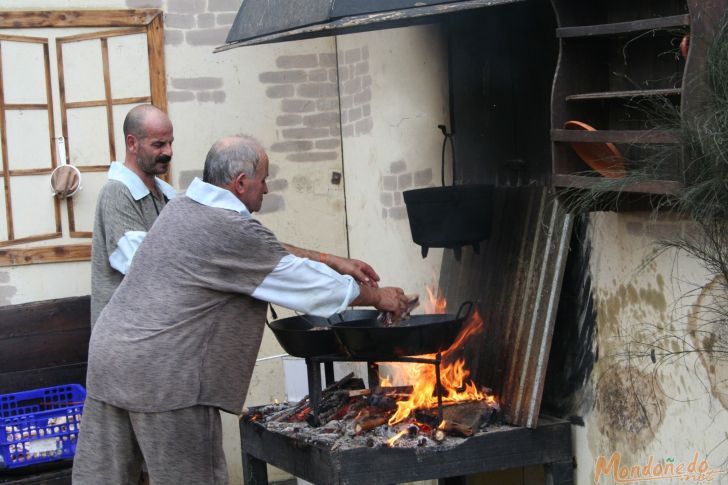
624, 94
659, 23
670, 187
616, 136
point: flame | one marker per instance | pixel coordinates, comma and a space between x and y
454, 374
391, 441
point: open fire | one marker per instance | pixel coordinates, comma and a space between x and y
402, 410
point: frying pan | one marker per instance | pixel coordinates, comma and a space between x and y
419, 334
309, 336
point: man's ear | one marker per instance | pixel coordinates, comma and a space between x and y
239, 183
131, 143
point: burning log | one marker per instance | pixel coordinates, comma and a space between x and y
457, 429
365, 423
463, 416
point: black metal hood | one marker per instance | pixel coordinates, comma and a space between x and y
267, 21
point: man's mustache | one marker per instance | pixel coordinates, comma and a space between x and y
163, 158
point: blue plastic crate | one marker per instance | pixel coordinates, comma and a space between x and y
40, 425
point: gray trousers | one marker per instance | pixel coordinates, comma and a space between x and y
179, 447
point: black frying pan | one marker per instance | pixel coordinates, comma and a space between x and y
309, 336
419, 334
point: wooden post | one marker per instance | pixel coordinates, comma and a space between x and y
255, 471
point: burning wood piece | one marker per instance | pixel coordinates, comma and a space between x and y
365, 423
360, 392
456, 429
464, 419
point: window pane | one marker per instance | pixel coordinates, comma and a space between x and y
88, 139
33, 209
83, 71
24, 79
28, 139
129, 66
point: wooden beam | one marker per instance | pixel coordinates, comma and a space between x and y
24, 19
4, 153
30, 239
103, 35
48, 254
157, 74
107, 91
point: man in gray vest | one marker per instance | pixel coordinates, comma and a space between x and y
179, 338
130, 201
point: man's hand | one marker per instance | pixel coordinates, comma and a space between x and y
387, 299
361, 271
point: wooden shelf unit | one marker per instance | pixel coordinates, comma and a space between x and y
614, 57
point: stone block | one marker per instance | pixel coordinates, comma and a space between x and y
313, 156
328, 144
317, 75
328, 104
297, 61
353, 56
282, 77
179, 21
207, 37
352, 86
272, 203
404, 181
173, 37
298, 105
289, 120
364, 126
186, 6
291, 146
366, 110
361, 68
280, 91
196, 83
224, 5
398, 198
365, 52
180, 96
389, 182
423, 177
327, 59
305, 133
344, 74
277, 185
398, 213
321, 119
318, 90
386, 199
144, 3
205, 20
347, 130
363, 97
225, 19
333, 76
354, 114
346, 102
398, 167
203, 96
218, 97
366, 82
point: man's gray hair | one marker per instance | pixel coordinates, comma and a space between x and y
231, 156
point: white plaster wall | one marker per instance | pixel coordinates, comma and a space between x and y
638, 302
408, 72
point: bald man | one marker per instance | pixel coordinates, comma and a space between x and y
130, 201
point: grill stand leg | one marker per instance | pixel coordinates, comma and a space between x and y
373, 374
438, 386
329, 372
313, 369
255, 471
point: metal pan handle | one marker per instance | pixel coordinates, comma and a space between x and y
469, 306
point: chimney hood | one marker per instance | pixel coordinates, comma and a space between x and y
267, 21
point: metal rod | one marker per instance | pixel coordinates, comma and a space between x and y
439, 389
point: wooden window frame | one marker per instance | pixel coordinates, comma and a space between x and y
141, 20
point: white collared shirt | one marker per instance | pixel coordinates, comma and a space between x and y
127, 245
325, 291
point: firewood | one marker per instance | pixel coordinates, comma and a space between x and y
359, 392
438, 435
366, 423
468, 414
389, 390
457, 429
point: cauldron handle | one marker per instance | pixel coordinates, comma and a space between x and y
469, 306
332, 316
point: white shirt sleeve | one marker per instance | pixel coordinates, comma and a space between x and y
307, 286
121, 258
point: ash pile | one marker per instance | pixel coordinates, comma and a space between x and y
352, 416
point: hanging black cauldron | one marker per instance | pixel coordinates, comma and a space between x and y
449, 216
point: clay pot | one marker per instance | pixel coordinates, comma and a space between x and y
685, 45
